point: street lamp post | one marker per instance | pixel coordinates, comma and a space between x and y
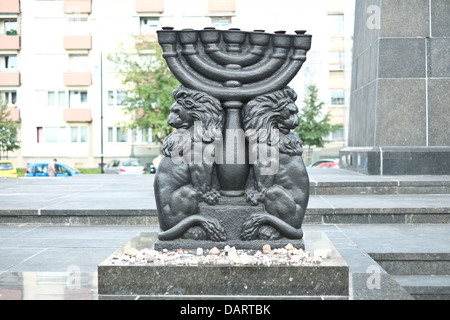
101, 112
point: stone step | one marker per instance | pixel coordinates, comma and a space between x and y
425, 287
379, 188
336, 198
345, 182
426, 276
328, 209
414, 263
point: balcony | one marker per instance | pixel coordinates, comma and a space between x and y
9, 6
77, 115
10, 79
77, 78
9, 42
77, 6
14, 114
78, 42
149, 6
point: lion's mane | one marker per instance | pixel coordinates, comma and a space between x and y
259, 116
202, 107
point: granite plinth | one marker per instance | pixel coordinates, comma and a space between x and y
328, 278
396, 160
231, 212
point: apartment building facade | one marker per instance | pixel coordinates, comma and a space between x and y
66, 95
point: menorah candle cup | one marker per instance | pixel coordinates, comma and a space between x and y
234, 38
167, 39
301, 41
210, 36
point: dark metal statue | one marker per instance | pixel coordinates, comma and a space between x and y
232, 171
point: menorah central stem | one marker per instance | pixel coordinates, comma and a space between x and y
234, 170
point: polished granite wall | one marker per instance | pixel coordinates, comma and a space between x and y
399, 109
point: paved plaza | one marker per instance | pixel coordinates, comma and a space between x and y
57, 259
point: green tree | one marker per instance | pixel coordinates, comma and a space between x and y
8, 131
314, 125
149, 84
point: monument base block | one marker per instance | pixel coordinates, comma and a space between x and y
330, 277
396, 160
231, 212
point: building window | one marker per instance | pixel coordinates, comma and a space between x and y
62, 134
51, 134
8, 62
78, 26
221, 22
111, 134
337, 60
56, 98
141, 135
8, 27
9, 97
149, 25
39, 135
117, 134
77, 98
337, 97
78, 62
336, 21
117, 98
120, 135
78, 134
336, 136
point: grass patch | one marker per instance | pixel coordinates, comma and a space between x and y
89, 171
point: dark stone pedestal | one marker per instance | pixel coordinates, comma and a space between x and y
396, 160
398, 116
231, 212
328, 278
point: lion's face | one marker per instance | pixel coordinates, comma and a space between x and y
179, 117
288, 118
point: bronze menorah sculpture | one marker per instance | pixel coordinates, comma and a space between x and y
232, 110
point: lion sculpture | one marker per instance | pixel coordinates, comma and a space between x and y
180, 182
268, 121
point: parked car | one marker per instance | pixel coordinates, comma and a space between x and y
124, 166
327, 163
40, 169
7, 169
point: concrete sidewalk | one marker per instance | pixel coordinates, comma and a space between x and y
60, 262
55, 231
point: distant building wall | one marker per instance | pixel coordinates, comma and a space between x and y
56, 60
